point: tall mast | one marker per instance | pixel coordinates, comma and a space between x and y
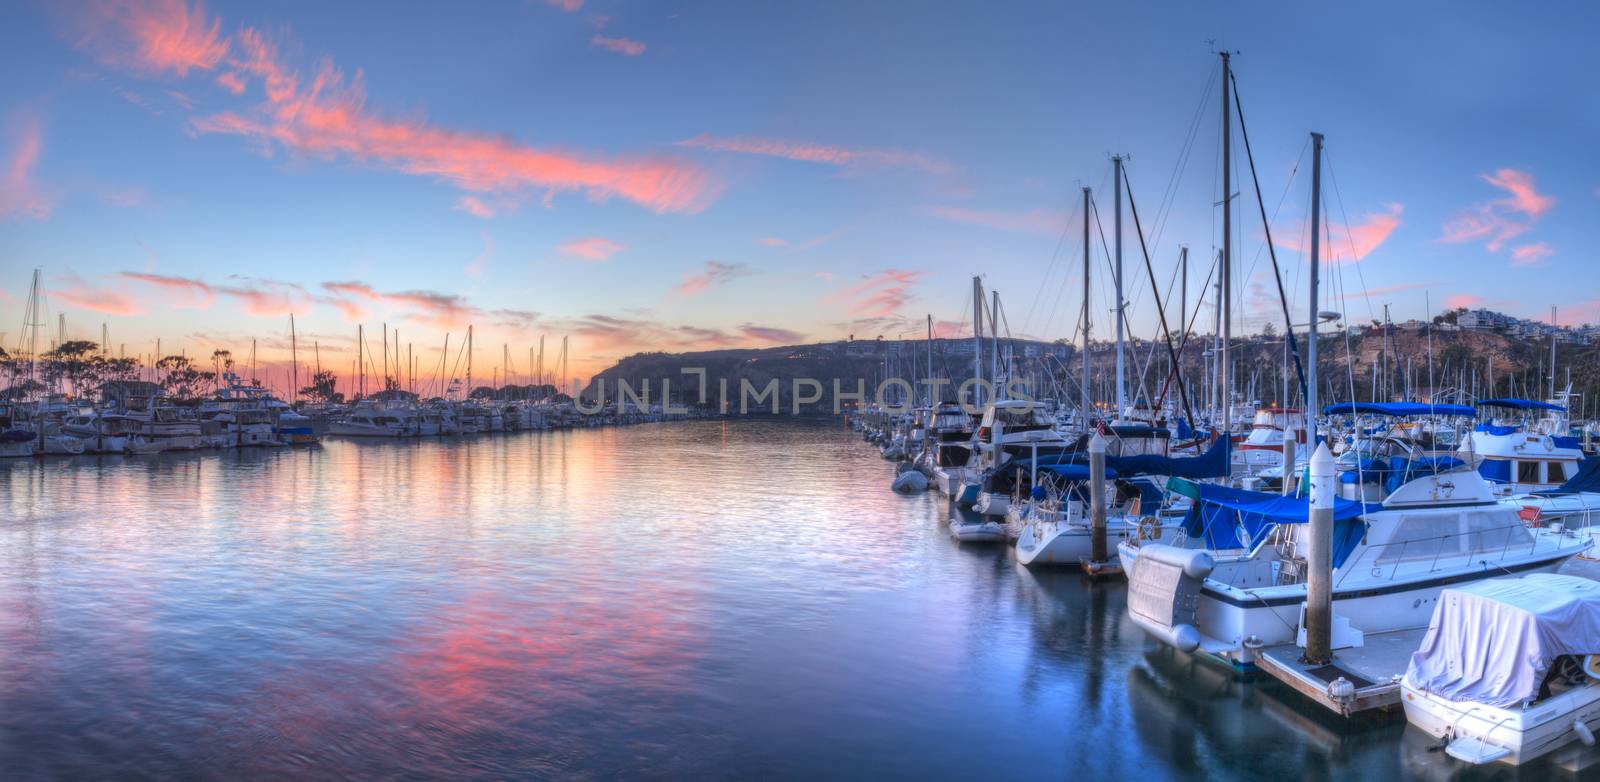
541, 359
977, 339
1227, 244
1083, 382
294, 363
361, 364
385, 382
564, 359
1316, 262
930, 360
1183, 308
1552, 354
469, 362
1116, 273
994, 342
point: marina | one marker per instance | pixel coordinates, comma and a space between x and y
576, 390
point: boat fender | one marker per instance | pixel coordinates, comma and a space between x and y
1584, 734
910, 482
1195, 564
1341, 689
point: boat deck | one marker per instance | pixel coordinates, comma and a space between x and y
1374, 668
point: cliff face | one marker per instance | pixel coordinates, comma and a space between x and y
1346, 369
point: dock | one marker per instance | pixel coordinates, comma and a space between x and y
1374, 669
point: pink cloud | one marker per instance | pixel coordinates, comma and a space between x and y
569, 6
713, 273
1038, 221
1531, 254
442, 310
190, 293
19, 196
327, 116
1462, 301
590, 248
1339, 242
773, 241
1524, 198
79, 293
154, 36
1499, 221
474, 206
817, 153
623, 46
231, 82
876, 296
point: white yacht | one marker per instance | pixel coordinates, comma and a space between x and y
1010, 429
370, 419
1509, 670
1522, 453
1234, 581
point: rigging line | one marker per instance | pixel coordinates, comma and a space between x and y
1169, 196
1044, 283
1161, 312
1054, 257
1094, 206
1277, 274
1354, 259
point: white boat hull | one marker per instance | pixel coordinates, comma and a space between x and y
1492, 734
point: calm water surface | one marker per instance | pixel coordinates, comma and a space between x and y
700, 600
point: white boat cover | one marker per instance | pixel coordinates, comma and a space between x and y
1493, 641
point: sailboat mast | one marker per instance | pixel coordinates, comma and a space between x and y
1083, 385
930, 360
1316, 261
994, 342
294, 363
1227, 244
1552, 354
1116, 273
977, 340
469, 362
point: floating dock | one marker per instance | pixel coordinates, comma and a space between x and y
1373, 669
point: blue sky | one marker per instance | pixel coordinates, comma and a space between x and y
848, 166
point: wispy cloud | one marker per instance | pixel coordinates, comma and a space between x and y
19, 195
152, 36
590, 248
1039, 221
1341, 242
713, 273
480, 262
474, 206
818, 153
189, 293
876, 296
77, 292
1531, 254
570, 6
1497, 222
626, 47
772, 334
327, 116
431, 308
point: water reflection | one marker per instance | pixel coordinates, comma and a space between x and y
709, 600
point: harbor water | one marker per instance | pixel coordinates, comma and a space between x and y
715, 599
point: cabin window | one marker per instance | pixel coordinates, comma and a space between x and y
1558, 472
1492, 532
1528, 472
1423, 536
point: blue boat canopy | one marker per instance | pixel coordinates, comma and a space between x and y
1216, 462
1587, 479
1073, 471
1238, 518
1521, 404
1398, 409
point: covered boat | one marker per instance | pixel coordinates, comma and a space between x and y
1507, 670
